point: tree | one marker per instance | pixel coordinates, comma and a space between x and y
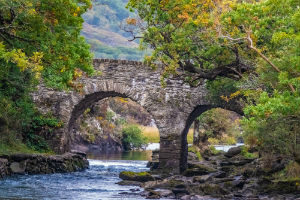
271, 30
184, 39
38, 39
211, 39
51, 28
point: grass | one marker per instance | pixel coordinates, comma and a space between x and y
15, 148
195, 150
18, 147
247, 154
152, 134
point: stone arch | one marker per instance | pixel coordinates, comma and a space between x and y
93, 93
170, 106
198, 110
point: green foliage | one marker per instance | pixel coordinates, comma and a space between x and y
247, 154
37, 39
183, 35
274, 123
121, 121
221, 87
204, 36
61, 48
195, 150
37, 125
220, 126
132, 137
290, 172
16, 147
109, 115
213, 150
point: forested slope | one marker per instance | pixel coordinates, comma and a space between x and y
102, 30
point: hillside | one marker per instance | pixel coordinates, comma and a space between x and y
102, 31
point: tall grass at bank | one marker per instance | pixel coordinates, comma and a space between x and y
152, 134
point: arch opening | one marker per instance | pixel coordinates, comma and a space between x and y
197, 112
100, 107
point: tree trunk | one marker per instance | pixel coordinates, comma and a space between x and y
196, 135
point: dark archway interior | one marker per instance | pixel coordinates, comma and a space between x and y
87, 102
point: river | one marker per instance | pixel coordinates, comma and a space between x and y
96, 183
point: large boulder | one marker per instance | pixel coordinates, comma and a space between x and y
18, 167
136, 176
233, 151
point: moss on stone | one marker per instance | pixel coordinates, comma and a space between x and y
136, 176
247, 154
196, 151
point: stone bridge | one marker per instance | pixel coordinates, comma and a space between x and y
173, 107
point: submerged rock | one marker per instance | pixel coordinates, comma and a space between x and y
131, 183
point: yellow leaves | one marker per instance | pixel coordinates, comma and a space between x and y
278, 37
163, 3
77, 74
185, 16
63, 69
59, 124
99, 118
131, 21
123, 100
232, 96
76, 12
18, 57
32, 11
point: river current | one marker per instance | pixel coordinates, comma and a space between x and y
97, 182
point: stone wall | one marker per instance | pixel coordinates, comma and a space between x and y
41, 164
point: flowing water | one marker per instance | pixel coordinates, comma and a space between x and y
97, 182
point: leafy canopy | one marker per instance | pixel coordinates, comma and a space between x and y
50, 31
211, 39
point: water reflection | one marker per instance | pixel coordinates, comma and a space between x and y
130, 155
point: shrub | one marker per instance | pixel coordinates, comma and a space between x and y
213, 150
109, 115
213, 141
132, 137
247, 154
228, 140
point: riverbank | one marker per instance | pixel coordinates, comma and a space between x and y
42, 164
231, 175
